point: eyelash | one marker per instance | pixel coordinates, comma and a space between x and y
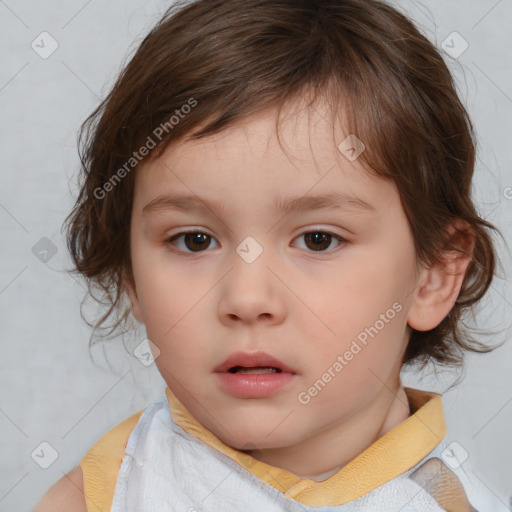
170, 241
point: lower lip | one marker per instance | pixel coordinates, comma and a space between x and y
254, 385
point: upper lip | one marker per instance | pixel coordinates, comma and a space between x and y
251, 360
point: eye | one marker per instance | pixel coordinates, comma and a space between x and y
319, 240
196, 241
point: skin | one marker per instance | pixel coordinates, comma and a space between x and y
302, 306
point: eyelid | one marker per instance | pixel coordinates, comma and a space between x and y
318, 228
184, 231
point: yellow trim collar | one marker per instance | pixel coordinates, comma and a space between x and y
391, 455
100, 465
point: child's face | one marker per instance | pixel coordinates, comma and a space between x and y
203, 299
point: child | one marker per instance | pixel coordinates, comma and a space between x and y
243, 136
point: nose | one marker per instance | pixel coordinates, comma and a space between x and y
252, 293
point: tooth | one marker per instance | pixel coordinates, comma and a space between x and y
257, 370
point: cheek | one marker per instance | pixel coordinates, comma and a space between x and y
173, 312
354, 372
164, 294
358, 294
363, 315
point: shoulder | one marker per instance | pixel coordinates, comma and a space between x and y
92, 483
66, 495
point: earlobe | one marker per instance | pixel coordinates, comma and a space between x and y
440, 285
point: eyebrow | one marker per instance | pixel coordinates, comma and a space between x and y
327, 201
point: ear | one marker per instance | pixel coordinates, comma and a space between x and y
130, 289
439, 286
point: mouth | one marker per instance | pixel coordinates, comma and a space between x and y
254, 370
254, 375
253, 363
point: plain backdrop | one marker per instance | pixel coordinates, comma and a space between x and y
52, 391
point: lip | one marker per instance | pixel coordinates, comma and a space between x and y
261, 385
252, 359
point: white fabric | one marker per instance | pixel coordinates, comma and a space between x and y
167, 470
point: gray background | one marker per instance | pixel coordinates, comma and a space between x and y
51, 390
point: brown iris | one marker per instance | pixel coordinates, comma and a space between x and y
319, 239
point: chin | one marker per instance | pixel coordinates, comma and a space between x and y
263, 442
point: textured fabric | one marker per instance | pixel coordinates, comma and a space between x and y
391, 455
101, 464
171, 463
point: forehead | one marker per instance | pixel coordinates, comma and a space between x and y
249, 160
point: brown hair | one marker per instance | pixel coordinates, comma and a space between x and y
234, 58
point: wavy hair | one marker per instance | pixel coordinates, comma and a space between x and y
236, 58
